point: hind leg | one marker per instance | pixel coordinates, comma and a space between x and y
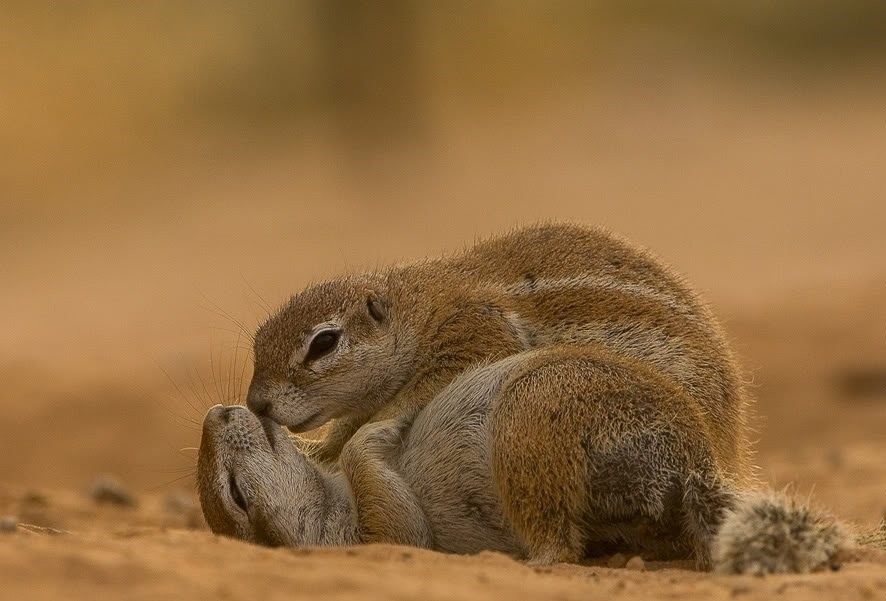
538, 464
592, 450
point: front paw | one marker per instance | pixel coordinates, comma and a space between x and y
380, 436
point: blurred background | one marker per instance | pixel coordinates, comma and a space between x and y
170, 171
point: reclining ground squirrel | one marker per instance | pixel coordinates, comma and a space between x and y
479, 469
608, 412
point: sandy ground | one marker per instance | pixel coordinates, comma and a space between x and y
121, 325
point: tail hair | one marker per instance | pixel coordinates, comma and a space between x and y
770, 533
876, 538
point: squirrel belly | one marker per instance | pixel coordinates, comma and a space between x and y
567, 453
576, 451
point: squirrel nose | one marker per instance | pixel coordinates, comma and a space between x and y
257, 402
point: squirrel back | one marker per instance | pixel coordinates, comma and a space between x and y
378, 345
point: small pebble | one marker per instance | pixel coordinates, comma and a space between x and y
186, 509
636, 563
34, 500
8, 523
108, 489
617, 561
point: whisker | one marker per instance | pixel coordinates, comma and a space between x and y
191, 425
227, 330
224, 314
173, 481
240, 385
231, 376
176, 470
212, 374
206, 398
181, 394
264, 303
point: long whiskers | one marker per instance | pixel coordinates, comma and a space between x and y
197, 415
217, 310
261, 300
192, 472
195, 388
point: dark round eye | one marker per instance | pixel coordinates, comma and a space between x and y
236, 494
321, 344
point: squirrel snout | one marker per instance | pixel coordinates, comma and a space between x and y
256, 400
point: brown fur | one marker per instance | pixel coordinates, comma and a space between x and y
612, 448
542, 286
555, 454
553, 393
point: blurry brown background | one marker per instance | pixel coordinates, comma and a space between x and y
171, 169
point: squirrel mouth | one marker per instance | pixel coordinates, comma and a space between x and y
305, 424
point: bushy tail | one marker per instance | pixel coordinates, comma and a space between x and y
875, 539
769, 533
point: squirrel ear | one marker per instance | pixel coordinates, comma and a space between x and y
377, 306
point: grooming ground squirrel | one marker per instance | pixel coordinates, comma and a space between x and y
383, 344
608, 412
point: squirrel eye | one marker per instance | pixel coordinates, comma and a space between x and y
236, 494
321, 344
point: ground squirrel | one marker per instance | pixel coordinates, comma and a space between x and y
582, 399
382, 344
628, 469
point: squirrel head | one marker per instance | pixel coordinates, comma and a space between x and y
330, 351
247, 469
